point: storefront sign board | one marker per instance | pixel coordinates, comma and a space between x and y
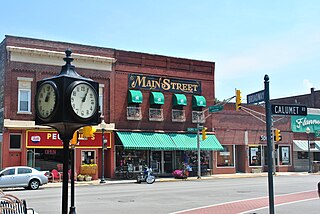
137, 81
300, 123
51, 139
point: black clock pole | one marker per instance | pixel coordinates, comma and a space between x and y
64, 115
65, 178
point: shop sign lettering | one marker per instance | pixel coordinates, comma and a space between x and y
164, 84
299, 124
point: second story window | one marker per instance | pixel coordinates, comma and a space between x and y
101, 90
155, 111
24, 95
178, 102
135, 98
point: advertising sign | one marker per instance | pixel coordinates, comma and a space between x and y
51, 139
300, 123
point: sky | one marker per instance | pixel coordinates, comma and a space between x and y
246, 39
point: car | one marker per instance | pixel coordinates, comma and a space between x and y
22, 176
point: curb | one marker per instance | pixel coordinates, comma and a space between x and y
218, 176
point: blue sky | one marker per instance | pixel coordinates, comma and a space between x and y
246, 39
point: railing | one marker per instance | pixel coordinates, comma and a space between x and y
155, 114
178, 115
134, 113
198, 117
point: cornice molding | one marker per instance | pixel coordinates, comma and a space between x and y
46, 57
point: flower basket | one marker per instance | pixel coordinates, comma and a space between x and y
80, 177
87, 178
88, 169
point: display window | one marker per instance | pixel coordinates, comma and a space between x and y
88, 157
255, 155
130, 160
284, 155
225, 158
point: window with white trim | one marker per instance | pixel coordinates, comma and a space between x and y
101, 90
24, 95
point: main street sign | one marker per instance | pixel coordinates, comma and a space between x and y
255, 97
288, 109
215, 108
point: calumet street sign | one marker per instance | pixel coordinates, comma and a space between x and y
288, 109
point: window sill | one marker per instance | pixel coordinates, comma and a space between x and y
24, 112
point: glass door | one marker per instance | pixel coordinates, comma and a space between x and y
168, 162
155, 160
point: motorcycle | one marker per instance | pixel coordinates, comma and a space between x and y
146, 176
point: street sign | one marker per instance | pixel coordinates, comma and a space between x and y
194, 129
255, 97
215, 108
288, 109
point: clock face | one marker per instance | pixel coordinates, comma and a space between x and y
83, 100
46, 99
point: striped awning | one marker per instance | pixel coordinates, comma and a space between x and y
166, 141
302, 146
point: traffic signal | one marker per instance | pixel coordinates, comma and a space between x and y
74, 139
277, 135
204, 133
238, 99
88, 131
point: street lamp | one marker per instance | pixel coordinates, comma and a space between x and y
309, 158
103, 126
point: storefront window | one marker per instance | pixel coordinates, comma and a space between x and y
88, 157
303, 155
130, 160
15, 141
284, 155
255, 155
46, 159
225, 157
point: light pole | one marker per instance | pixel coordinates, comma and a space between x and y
309, 158
103, 126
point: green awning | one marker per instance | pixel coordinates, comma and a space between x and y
146, 141
189, 142
179, 100
135, 96
198, 101
156, 98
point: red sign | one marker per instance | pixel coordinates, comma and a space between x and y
51, 139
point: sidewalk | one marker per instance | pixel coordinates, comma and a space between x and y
218, 176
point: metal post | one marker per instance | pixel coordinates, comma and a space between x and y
72, 207
102, 180
65, 175
309, 154
269, 143
198, 147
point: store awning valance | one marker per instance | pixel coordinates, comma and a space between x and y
179, 100
189, 142
302, 146
134, 96
166, 141
198, 101
146, 141
156, 98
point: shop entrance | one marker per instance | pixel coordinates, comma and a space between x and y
161, 162
167, 162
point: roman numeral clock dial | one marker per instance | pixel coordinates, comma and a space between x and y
83, 100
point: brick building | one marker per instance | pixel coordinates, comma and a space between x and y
148, 102
305, 131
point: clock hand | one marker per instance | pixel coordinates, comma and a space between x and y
47, 97
85, 96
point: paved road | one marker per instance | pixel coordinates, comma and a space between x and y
170, 197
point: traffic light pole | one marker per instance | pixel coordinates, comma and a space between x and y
198, 147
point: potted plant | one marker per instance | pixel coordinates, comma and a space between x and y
80, 177
87, 177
